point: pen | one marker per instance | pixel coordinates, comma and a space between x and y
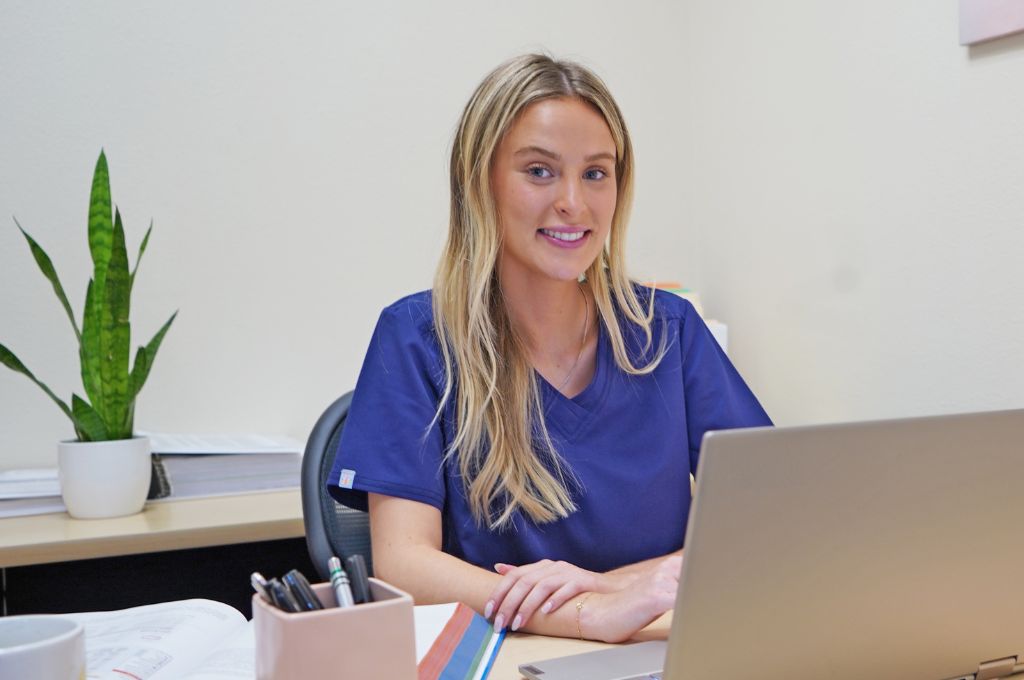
298, 586
284, 600
360, 584
339, 579
259, 584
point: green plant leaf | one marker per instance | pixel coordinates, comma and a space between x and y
115, 334
142, 249
89, 348
144, 358
12, 362
89, 424
46, 266
128, 426
101, 226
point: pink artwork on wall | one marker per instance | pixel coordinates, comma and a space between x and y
982, 20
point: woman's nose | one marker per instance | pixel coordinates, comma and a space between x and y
569, 200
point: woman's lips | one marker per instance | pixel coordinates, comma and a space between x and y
565, 238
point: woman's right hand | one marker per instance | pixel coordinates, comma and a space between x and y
543, 587
618, 615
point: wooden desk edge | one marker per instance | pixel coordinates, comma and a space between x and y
283, 519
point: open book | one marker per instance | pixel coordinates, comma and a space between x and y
186, 640
207, 640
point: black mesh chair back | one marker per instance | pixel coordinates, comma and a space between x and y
331, 528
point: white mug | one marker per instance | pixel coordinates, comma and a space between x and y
41, 648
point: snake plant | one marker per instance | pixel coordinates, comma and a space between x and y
104, 339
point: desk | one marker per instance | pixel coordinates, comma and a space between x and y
197, 523
522, 648
172, 550
167, 525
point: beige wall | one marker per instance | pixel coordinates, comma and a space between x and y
853, 197
293, 158
840, 180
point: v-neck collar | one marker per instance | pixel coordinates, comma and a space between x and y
569, 416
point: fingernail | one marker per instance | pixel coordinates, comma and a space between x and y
516, 622
488, 609
546, 608
499, 622
498, 565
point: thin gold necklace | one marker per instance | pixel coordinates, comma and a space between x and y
583, 345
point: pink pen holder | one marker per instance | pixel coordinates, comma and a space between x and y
371, 640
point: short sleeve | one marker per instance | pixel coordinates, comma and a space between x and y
717, 398
389, 445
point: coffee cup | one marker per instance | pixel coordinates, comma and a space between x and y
42, 648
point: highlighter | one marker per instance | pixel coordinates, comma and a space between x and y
340, 583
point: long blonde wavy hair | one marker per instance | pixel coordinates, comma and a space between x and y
505, 456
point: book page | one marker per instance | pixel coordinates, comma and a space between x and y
158, 641
234, 658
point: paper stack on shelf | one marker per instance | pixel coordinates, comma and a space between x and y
29, 492
189, 466
184, 466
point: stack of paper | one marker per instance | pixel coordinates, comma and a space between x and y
29, 492
189, 466
184, 466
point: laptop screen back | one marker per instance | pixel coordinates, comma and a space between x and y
890, 549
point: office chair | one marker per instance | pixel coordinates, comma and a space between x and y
331, 528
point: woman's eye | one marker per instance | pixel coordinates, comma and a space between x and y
538, 171
595, 173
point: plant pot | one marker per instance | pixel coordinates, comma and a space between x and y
104, 479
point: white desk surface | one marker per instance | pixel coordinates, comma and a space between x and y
167, 525
524, 648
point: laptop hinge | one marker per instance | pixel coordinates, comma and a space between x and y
997, 668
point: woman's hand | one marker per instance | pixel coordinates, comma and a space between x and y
544, 585
617, 616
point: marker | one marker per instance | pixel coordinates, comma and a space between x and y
339, 580
298, 586
259, 584
283, 598
357, 574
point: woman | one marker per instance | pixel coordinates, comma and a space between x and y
523, 434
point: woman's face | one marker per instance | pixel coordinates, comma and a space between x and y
553, 178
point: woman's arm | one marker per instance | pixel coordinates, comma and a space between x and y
406, 538
406, 542
628, 574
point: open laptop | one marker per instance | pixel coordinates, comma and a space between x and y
891, 549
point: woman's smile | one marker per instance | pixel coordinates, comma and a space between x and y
565, 237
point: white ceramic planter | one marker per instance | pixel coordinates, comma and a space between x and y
104, 479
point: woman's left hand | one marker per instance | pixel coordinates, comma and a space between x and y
544, 585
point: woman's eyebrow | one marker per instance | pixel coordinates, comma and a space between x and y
604, 155
538, 149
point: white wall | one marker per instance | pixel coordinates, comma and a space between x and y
840, 180
293, 159
854, 200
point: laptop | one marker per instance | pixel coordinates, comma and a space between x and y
889, 549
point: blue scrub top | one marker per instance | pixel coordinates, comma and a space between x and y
630, 441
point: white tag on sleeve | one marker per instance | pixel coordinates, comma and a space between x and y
346, 479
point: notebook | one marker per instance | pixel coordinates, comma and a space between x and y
888, 549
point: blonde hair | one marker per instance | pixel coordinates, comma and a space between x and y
505, 456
